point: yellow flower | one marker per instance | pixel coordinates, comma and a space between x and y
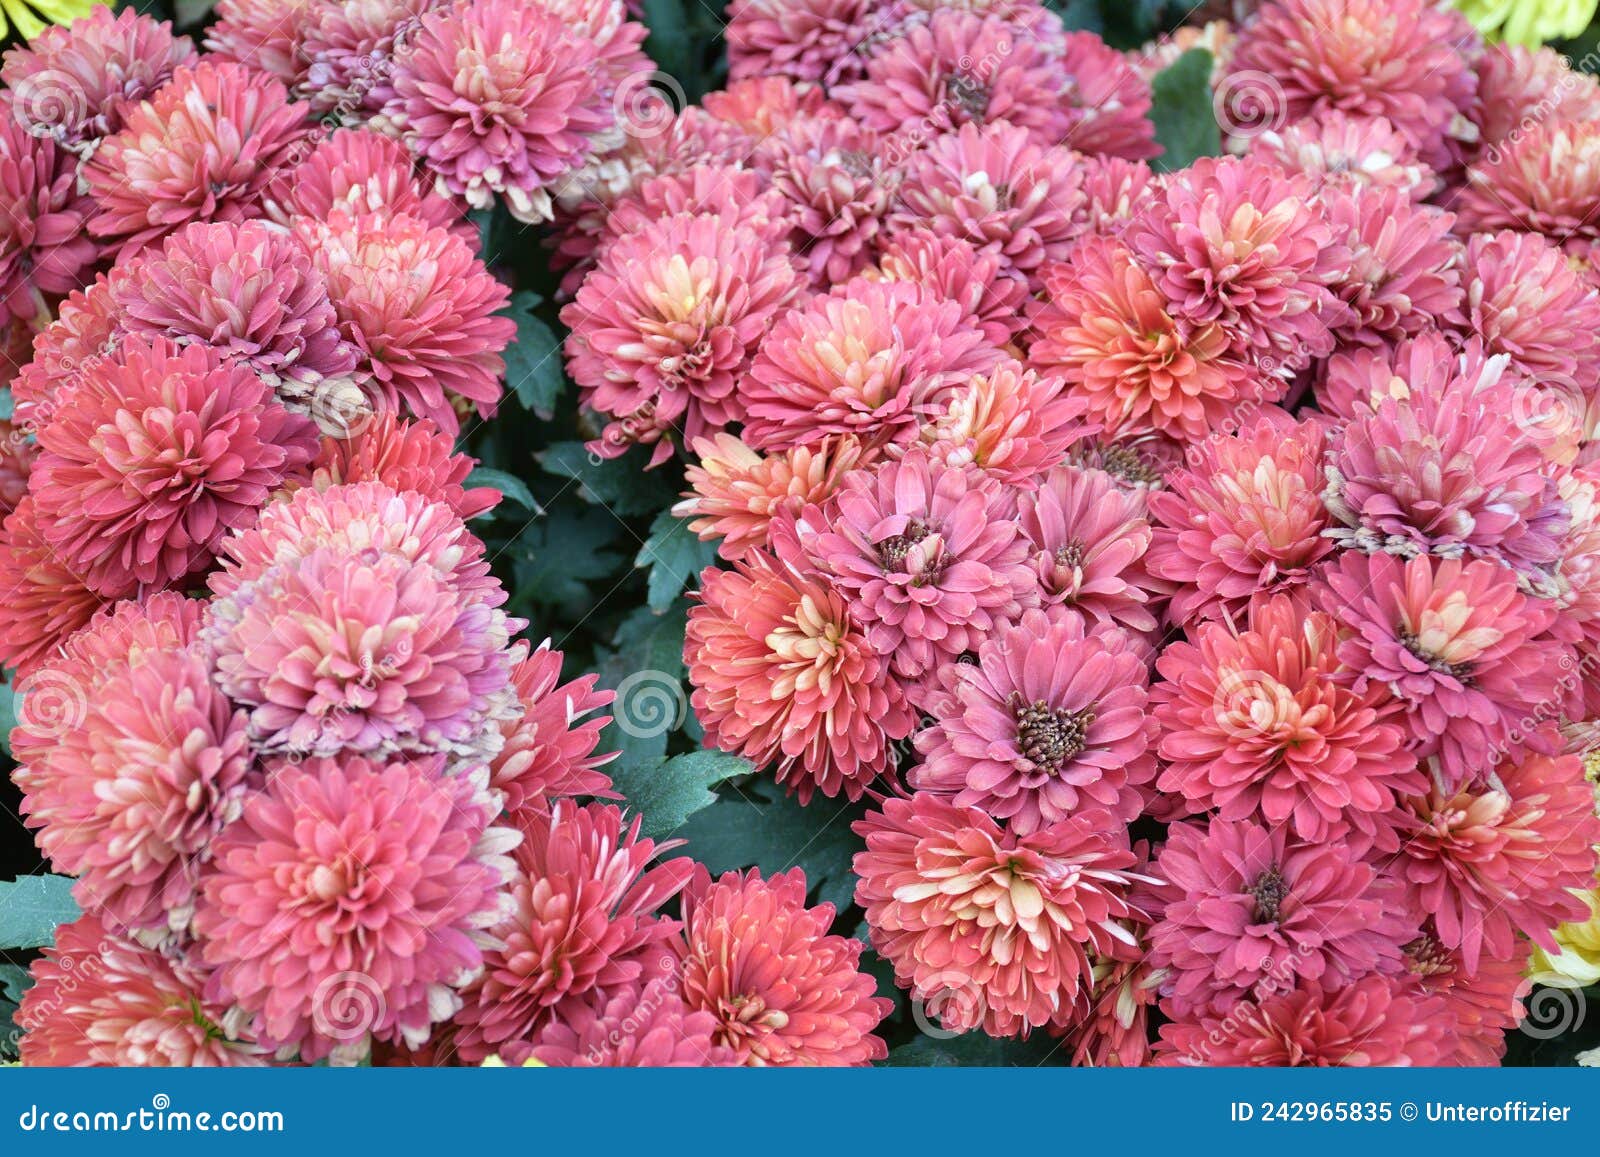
30, 17
495, 1062
1530, 22
1578, 962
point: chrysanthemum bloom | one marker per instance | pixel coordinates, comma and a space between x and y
997, 189
1115, 191
1108, 328
647, 1026
45, 601
783, 675
1241, 243
1482, 1003
1518, 87
349, 50
1011, 422
870, 359
101, 999
1372, 1022
1448, 470
1255, 911
361, 171
201, 148
735, 493
1575, 960
1545, 180
549, 749
1525, 301
72, 84
1508, 852
1252, 723
153, 457
783, 991
988, 927
1407, 60
1087, 539
405, 456
1458, 645
348, 903
1338, 151
246, 290
1353, 382
1114, 1029
806, 41
267, 35
1524, 22
499, 99
43, 249
1244, 516
1404, 274
928, 556
1107, 101
1050, 721
762, 105
991, 293
664, 327
620, 60
581, 924
419, 306
350, 650
86, 330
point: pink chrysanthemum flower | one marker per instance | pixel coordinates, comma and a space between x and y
1579, 566
268, 35
997, 189
1407, 60
1115, 192
153, 457
1050, 721
1107, 100
581, 925
349, 50
987, 289
1088, 538
1244, 516
1518, 87
762, 105
735, 493
1011, 422
85, 331
348, 903
1464, 652
991, 928
1482, 1003
45, 601
928, 556
1373, 1022
499, 99
202, 148
1354, 382
1342, 152
72, 83
1546, 180
100, 999
405, 456
246, 290
664, 328
1241, 243
783, 991
645, 1027
1108, 328
1404, 274
549, 749
618, 37
361, 171
783, 675
43, 249
870, 359
420, 308
1254, 910
1253, 723
1511, 852
806, 41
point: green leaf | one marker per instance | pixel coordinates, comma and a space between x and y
31, 907
675, 556
558, 556
14, 981
622, 485
1186, 121
533, 360
509, 485
188, 12
8, 405
666, 792
760, 826
669, 43
644, 666
978, 1050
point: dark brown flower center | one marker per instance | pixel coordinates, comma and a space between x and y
1070, 555
1050, 736
1461, 672
1270, 890
892, 551
970, 96
1128, 464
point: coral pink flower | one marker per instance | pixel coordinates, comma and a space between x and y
648, 1027
1254, 911
420, 308
1373, 1022
1048, 722
101, 999
153, 457
45, 601
1458, 645
43, 249
762, 105
499, 99
1345, 153
1518, 87
86, 330
347, 903
928, 556
1107, 100
987, 289
405, 456
1508, 853
580, 926
1245, 516
1483, 1002
1404, 273
870, 358
201, 148
361, 171
783, 675
783, 991
987, 927
268, 35
1115, 192
803, 41
1011, 422
1407, 60
1252, 723
1546, 180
